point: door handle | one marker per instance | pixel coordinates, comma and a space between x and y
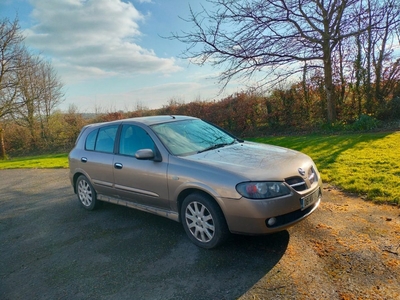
83, 159
118, 165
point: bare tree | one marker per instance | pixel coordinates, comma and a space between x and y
28, 95
51, 97
274, 36
374, 65
11, 50
386, 72
29, 86
40, 91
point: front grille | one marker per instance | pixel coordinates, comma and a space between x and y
296, 183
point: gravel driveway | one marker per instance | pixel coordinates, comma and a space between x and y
51, 248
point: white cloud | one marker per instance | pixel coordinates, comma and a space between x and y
94, 36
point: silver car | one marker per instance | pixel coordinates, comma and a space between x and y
195, 173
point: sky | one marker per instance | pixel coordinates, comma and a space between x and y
112, 55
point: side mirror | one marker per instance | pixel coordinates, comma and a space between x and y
144, 154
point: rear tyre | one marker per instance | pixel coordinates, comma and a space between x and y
86, 193
203, 221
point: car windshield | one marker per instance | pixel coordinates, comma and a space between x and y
191, 136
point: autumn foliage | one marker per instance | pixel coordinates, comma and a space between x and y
288, 111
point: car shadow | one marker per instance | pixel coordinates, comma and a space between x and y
55, 249
162, 263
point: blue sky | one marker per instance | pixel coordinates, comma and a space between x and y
110, 54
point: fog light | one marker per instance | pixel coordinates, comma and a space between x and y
271, 221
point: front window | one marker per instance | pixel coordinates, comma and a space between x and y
191, 136
134, 138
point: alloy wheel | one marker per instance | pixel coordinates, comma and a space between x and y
85, 193
200, 222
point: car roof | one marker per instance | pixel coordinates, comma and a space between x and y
150, 120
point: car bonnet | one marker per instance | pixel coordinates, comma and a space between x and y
255, 161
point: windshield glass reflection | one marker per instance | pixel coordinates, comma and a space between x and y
191, 136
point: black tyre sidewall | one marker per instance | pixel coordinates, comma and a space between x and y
221, 229
94, 203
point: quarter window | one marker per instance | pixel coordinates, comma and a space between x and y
91, 140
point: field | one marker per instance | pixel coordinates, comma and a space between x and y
367, 164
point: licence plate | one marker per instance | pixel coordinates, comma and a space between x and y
309, 199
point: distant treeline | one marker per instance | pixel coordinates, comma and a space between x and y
284, 111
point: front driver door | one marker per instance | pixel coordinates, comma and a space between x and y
141, 181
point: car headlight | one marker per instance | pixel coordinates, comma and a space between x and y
262, 190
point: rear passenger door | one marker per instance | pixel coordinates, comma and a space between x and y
141, 181
98, 157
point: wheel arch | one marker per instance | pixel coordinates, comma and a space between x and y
75, 179
184, 193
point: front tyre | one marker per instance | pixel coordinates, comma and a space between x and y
203, 221
86, 193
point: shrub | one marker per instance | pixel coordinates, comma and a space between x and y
364, 122
394, 107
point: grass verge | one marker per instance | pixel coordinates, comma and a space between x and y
53, 161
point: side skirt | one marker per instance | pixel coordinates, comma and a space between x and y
150, 209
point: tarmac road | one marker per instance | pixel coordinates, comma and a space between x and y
51, 248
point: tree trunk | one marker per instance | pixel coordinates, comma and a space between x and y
2, 145
329, 86
307, 108
369, 53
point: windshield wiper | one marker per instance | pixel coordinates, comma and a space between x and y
216, 146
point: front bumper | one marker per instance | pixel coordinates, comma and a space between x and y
248, 216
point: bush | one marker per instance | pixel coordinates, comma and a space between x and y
333, 127
364, 122
394, 108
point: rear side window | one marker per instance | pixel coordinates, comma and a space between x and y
105, 139
102, 139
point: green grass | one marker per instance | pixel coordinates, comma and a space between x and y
366, 164
53, 161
